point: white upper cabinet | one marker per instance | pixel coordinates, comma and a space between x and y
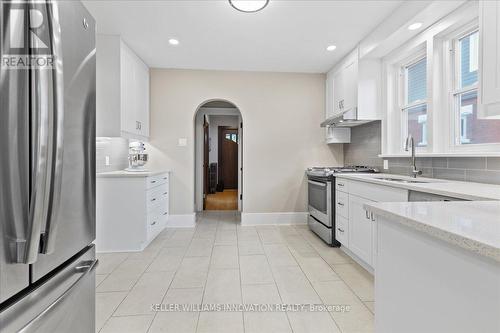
122, 90
489, 31
353, 88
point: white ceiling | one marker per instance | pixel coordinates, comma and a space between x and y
287, 36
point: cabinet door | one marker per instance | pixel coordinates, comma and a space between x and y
350, 90
128, 98
329, 103
360, 229
489, 31
142, 88
338, 91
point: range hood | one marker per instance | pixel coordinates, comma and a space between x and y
348, 118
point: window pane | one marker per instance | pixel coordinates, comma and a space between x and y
473, 130
416, 81
417, 124
469, 59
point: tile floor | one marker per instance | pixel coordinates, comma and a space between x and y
220, 262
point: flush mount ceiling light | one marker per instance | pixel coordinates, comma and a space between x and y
414, 26
331, 47
173, 41
249, 6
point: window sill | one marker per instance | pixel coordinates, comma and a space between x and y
462, 154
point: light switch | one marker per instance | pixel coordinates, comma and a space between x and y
107, 160
386, 164
182, 142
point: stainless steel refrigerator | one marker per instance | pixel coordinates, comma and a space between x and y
47, 167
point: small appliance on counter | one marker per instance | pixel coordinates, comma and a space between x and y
321, 199
137, 157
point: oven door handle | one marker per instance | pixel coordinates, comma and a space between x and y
317, 183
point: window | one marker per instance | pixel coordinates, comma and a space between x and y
414, 106
469, 130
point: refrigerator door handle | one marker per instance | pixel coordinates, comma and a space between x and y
85, 268
41, 143
49, 236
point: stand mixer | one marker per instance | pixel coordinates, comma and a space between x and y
137, 157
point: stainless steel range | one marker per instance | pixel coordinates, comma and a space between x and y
321, 198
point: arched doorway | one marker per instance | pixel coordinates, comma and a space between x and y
218, 156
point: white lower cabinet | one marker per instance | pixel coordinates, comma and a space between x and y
131, 211
360, 229
356, 228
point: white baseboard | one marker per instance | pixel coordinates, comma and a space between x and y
182, 221
248, 219
357, 259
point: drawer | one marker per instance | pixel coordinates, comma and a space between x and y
155, 225
341, 185
341, 230
156, 194
375, 192
156, 180
342, 204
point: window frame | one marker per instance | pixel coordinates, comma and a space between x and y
454, 92
403, 104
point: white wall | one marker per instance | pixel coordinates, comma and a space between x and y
215, 122
281, 113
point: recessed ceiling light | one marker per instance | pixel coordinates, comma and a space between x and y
249, 6
173, 41
331, 47
414, 26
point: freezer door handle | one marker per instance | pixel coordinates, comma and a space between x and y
57, 127
84, 268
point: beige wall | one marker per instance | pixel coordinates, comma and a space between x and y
281, 134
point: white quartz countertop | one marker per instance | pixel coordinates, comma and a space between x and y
123, 173
456, 189
474, 226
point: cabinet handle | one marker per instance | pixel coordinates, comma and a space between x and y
153, 181
165, 213
372, 217
165, 193
164, 178
341, 230
340, 203
340, 184
367, 215
154, 222
154, 199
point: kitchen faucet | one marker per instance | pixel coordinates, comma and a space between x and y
410, 141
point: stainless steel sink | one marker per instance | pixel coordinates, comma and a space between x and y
401, 180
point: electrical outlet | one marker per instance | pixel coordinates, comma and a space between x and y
386, 164
107, 160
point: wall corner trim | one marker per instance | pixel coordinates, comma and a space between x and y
283, 218
182, 221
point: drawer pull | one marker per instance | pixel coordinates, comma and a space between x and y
340, 184
341, 230
153, 181
154, 199
340, 203
165, 193
153, 223
164, 178
165, 213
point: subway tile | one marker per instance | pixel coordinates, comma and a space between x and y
493, 163
467, 162
439, 162
483, 176
449, 174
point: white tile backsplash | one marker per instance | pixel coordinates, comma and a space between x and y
116, 149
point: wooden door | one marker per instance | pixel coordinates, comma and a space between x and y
206, 136
228, 157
